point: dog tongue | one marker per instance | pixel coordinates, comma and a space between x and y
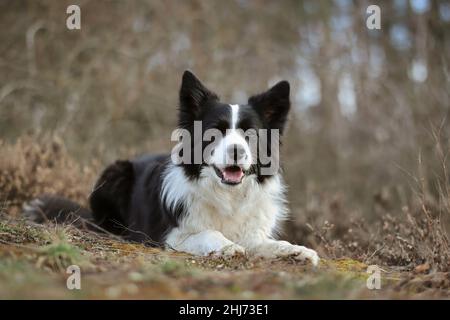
232, 174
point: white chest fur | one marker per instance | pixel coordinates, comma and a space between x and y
241, 213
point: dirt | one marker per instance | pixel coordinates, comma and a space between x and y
34, 260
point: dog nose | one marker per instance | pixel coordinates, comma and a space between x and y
236, 152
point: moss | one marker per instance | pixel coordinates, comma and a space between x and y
59, 254
20, 232
346, 264
176, 268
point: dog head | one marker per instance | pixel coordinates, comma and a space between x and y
230, 142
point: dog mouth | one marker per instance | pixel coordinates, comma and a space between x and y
231, 175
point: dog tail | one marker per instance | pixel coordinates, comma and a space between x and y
56, 209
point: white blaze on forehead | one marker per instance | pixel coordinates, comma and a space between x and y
221, 157
234, 115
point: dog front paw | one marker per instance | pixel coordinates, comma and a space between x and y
286, 249
232, 249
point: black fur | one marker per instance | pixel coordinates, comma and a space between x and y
273, 106
127, 200
110, 199
57, 209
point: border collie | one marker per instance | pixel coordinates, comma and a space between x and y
222, 204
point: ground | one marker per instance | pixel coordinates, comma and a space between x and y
34, 259
411, 247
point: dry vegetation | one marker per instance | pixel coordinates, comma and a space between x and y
411, 249
33, 259
368, 173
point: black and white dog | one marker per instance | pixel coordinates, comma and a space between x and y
223, 204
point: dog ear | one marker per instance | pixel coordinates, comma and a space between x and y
193, 95
273, 105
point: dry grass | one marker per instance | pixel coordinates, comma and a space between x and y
409, 236
412, 248
29, 169
111, 268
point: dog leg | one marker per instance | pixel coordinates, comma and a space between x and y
203, 243
270, 248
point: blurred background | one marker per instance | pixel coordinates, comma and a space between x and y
368, 131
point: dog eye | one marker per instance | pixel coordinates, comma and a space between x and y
222, 126
245, 125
